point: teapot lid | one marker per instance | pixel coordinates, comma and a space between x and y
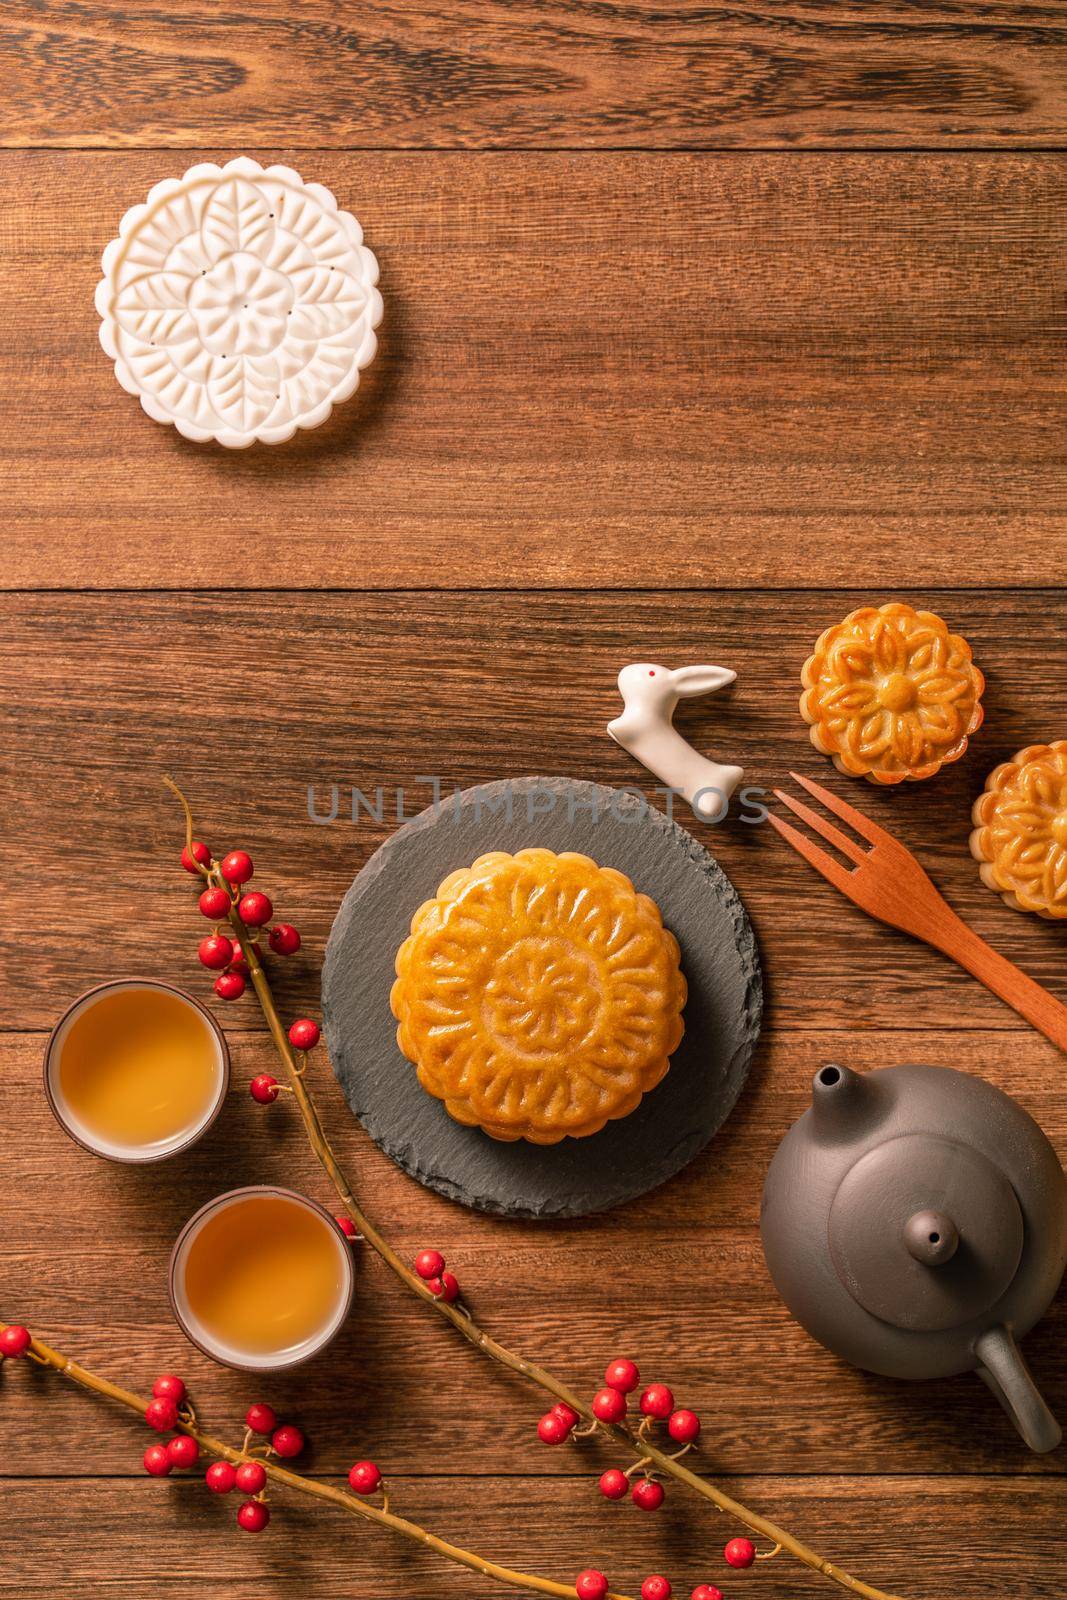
925, 1233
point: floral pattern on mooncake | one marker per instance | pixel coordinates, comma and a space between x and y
539, 995
891, 694
1020, 832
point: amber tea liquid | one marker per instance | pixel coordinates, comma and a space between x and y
137, 1071
262, 1280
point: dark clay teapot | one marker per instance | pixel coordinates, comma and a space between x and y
915, 1221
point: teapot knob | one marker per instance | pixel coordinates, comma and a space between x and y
931, 1237
882, 1225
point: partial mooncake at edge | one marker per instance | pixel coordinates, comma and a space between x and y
1020, 830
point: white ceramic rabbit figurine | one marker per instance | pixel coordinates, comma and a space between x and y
645, 728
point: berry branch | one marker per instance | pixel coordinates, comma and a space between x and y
255, 910
251, 1473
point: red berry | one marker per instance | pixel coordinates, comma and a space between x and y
168, 1387
347, 1227
648, 1494
429, 1263
284, 939
161, 1415
706, 1591
254, 909
214, 904
156, 1461
622, 1375
237, 867
657, 1401
552, 1429
251, 1477
253, 1516
446, 1287
590, 1585
183, 1451
740, 1552
287, 1440
609, 1405
239, 964
14, 1340
261, 1418
230, 985
215, 951
263, 1089
304, 1034
614, 1484
683, 1426
655, 1588
364, 1477
195, 855
220, 1477
566, 1414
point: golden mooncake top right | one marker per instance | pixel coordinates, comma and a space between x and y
891, 694
1020, 830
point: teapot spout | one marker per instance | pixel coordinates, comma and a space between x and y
844, 1103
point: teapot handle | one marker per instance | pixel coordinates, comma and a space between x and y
1002, 1367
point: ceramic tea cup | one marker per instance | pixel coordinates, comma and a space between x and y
261, 1279
136, 1070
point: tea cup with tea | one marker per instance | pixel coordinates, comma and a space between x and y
136, 1070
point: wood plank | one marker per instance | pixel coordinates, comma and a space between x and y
250, 702
677, 1280
488, 74
919, 1537
609, 370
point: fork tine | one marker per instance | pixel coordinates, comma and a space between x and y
847, 846
856, 819
839, 876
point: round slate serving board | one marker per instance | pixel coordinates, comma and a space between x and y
722, 1014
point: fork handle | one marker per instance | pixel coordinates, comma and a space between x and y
1041, 1009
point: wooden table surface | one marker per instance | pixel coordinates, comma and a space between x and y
702, 327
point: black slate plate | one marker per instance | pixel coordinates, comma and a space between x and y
722, 1015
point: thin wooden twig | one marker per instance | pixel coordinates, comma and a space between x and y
45, 1356
461, 1319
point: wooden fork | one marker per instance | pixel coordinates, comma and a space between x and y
888, 883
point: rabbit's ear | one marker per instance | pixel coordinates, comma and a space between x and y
701, 680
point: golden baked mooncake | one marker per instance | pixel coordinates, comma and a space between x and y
1020, 830
539, 995
891, 694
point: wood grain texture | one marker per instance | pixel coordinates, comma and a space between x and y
677, 1279
486, 73
614, 370
885, 880
252, 701
728, 379
1005, 1533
